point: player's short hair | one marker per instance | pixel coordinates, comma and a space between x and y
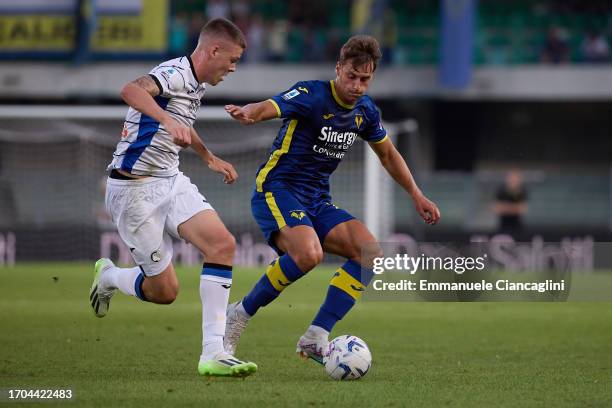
221, 27
360, 50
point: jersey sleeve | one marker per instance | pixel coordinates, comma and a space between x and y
374, 131
169, 80
297, 101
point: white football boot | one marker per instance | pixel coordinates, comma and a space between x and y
235, 324
313, 346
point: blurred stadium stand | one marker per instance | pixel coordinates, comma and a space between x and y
517, 111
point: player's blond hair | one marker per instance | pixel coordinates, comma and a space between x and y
360, 50
221, 27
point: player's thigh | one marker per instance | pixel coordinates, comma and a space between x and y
208, 233
187, 203
352, 239
287, 226
278, 214
138, 209
193, 219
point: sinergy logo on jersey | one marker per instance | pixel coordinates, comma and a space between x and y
335, 143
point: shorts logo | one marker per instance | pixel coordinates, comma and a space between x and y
301, 88
155, 256
328, 116
298, 214
358, 120
291, 94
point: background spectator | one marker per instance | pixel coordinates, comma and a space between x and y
594, 48
511, 203
179, 34
256, 37
555, 50
217, 9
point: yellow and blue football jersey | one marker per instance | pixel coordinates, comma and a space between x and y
292, 186
318, 129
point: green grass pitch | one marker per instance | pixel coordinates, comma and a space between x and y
425, 354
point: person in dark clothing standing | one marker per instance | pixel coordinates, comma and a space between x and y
511, 203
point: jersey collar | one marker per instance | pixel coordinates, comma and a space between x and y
193, 69
337, 98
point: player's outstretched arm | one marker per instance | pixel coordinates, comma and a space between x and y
139, 95
214, 163
397, 168
253, 112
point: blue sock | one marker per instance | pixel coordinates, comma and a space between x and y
219, 271
138, 287
346, 286
281, 273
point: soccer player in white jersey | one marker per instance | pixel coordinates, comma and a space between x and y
150, 200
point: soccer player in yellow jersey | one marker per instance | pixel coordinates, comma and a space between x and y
292, 202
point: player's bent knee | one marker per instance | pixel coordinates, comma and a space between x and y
223, 247
227, 246
307, 259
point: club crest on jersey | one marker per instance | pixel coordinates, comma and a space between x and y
358, 120
298, 214
291, 94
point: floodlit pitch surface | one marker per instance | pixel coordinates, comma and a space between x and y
424, 354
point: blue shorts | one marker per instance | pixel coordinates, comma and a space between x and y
275, 209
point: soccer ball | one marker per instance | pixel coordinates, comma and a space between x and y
349, 358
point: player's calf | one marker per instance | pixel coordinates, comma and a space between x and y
281, 273
354, 241
161, 289
345, 288
163, 295
364, 253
